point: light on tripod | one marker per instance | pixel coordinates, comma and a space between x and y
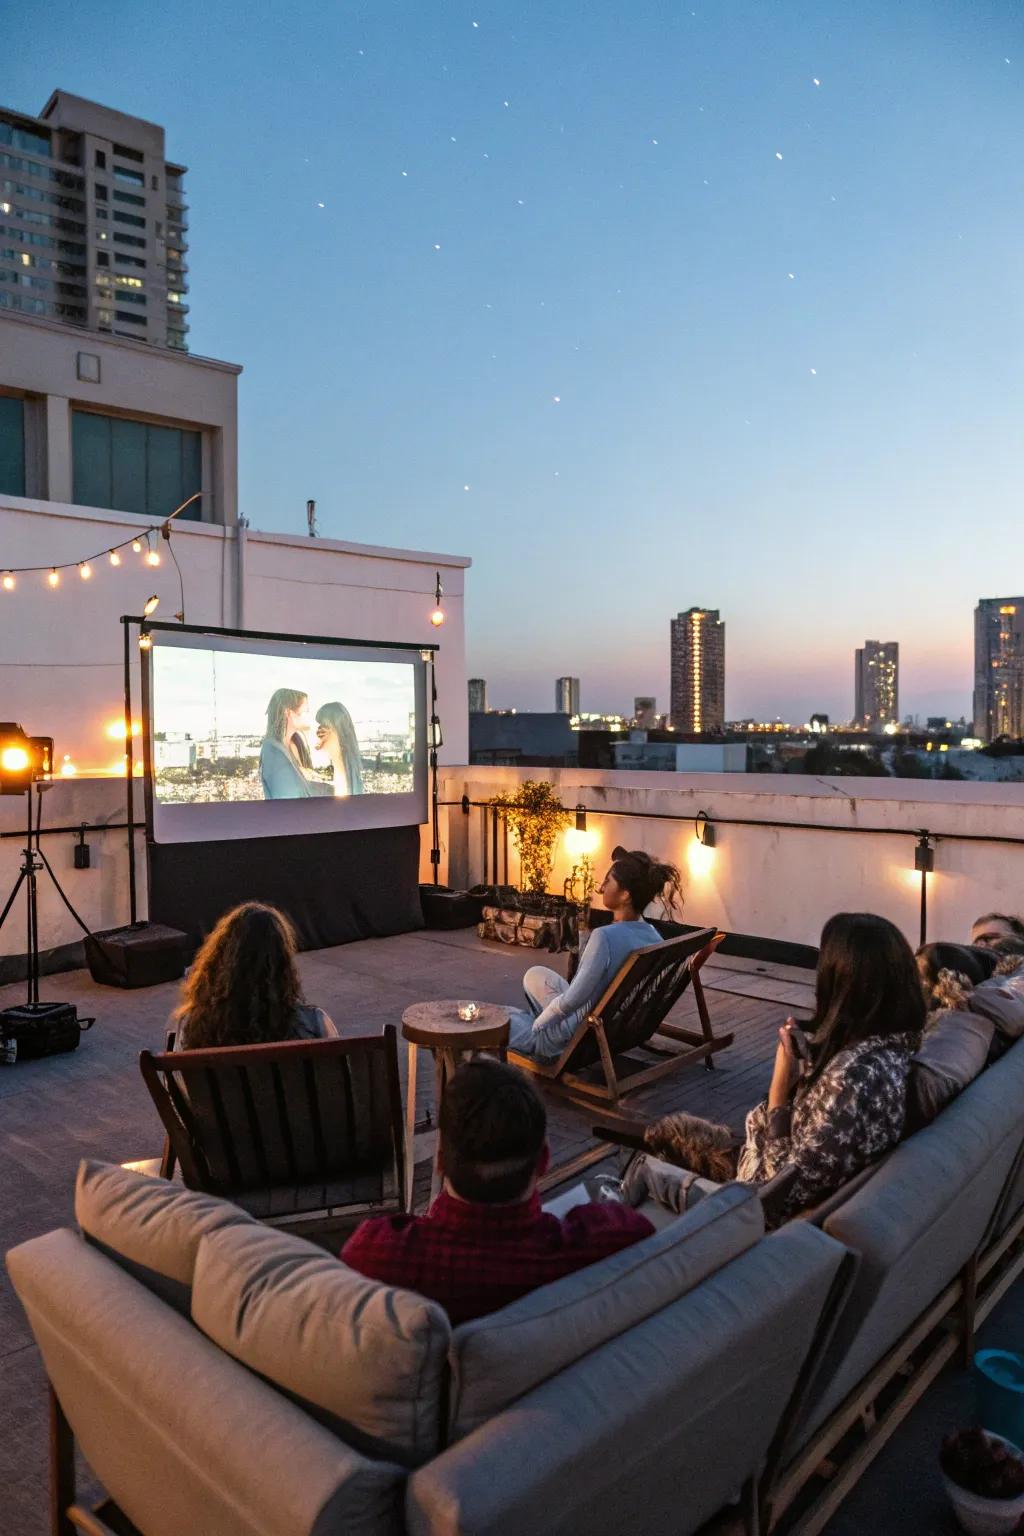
23, 758
151, 605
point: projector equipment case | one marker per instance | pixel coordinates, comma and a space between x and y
39, 1029
139, 956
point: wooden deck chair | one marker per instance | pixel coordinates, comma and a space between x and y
298, 1132
602, 1059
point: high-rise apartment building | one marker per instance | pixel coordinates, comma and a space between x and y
477, 688
698, 672
567, 696
93, 222
645, 712
876, 684
999, 668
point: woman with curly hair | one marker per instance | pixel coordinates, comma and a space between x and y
556, 1007
244, 987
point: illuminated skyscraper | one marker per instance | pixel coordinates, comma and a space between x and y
999, 667
477, 695
567, 696
698, 671
876, 684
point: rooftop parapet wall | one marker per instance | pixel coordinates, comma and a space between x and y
789, 850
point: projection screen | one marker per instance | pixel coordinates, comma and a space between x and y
252, 737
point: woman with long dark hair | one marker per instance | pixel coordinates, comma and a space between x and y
244, 987
838, 1093
285, 762
336, 735
556, 1007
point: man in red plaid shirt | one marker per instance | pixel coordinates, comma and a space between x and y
486, 1240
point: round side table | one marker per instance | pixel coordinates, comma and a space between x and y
437, 1028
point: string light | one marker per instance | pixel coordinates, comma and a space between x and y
151, 605
140, 544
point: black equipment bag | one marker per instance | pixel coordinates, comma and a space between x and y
39, 1029
137, 956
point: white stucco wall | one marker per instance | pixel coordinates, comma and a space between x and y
61, 668
783, 882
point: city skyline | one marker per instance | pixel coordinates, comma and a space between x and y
592, 296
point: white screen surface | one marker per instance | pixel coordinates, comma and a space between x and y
258, 738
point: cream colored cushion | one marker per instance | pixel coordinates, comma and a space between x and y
148, 1226
498, 1358
369, 1360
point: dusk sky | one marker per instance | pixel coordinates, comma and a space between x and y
639, 305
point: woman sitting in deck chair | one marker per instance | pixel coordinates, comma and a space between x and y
557, 1007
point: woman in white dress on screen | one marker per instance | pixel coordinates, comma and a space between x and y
285, 765
336, 735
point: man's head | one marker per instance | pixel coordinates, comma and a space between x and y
995, 926
493, 1128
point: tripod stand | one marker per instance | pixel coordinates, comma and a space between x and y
33, 859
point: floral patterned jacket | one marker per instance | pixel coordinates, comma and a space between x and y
836, 1125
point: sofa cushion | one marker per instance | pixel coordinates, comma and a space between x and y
366, 1359
150, 1227
953, 1052
497, 1358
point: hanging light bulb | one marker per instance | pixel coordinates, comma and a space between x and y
137, 546
85, 570
8, 582
54, 578
152, 555
151, 604
437, 617
115, 558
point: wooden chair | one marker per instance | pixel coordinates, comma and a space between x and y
600, 1061
290, 1132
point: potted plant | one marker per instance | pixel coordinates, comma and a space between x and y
535, 817
984, 1477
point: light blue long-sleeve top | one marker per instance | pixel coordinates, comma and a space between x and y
602, 957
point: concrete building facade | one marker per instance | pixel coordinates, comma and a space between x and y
567, 696
100, 421
477, 689
697, 661
876, 684
999, 668
93, 222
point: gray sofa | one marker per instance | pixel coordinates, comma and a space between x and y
226, 1379
941, 1213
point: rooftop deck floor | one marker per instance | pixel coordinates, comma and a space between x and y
92, 1103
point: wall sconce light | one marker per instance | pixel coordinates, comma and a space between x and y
704, 830
924, 855
701, 853
579, 840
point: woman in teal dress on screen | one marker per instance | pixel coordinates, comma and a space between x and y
286, 768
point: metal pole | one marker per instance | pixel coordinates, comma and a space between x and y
129, 769
33, 945
924, 907
435, 850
